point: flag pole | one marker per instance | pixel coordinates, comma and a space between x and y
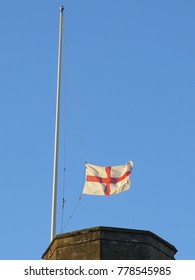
55, 165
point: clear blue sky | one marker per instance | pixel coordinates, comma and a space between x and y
128, 77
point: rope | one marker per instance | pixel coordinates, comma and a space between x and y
64, 136
64, 139
63, 201
79, 132
74, 210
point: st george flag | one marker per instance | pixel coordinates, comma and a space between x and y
107, 180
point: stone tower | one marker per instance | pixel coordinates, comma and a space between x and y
108, 243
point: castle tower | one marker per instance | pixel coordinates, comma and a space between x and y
108, 243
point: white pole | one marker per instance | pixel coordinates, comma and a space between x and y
55, 166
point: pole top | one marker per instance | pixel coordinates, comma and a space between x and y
61, 9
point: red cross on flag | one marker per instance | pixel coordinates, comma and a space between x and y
107, 180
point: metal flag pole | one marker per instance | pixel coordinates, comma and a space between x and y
55, 165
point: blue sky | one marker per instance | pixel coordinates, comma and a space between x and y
127, 94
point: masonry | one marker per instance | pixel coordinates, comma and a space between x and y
108, 243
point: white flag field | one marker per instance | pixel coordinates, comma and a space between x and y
107, 180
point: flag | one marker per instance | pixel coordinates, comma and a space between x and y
107, 180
